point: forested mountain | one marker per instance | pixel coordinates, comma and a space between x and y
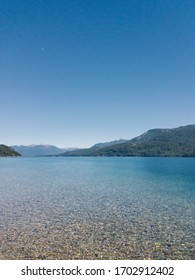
106, 144
176, 142
6, 151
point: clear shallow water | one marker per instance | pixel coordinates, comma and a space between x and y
97, 208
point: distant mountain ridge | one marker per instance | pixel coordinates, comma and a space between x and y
175, 142
106, 144
39, 150
6, 151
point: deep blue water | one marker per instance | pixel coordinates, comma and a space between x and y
97, 207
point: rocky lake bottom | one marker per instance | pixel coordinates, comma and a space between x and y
97, 208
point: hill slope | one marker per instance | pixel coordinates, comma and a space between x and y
6, 151
156, 142
106, 144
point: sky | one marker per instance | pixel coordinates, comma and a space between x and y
74, 73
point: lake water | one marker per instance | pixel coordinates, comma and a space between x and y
97, 208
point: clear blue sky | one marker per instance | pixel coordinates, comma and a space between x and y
77, 72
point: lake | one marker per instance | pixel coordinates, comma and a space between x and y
97, 208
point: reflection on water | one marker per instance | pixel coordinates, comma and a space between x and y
97, 208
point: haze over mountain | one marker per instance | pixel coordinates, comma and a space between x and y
155, 142
6, 151
40, 150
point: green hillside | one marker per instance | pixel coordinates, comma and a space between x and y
176, 142
6, 151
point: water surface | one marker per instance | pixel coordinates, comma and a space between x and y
97, 208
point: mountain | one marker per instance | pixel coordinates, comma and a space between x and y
93, 150
6, 151
39, 150
175, 142
106, 144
